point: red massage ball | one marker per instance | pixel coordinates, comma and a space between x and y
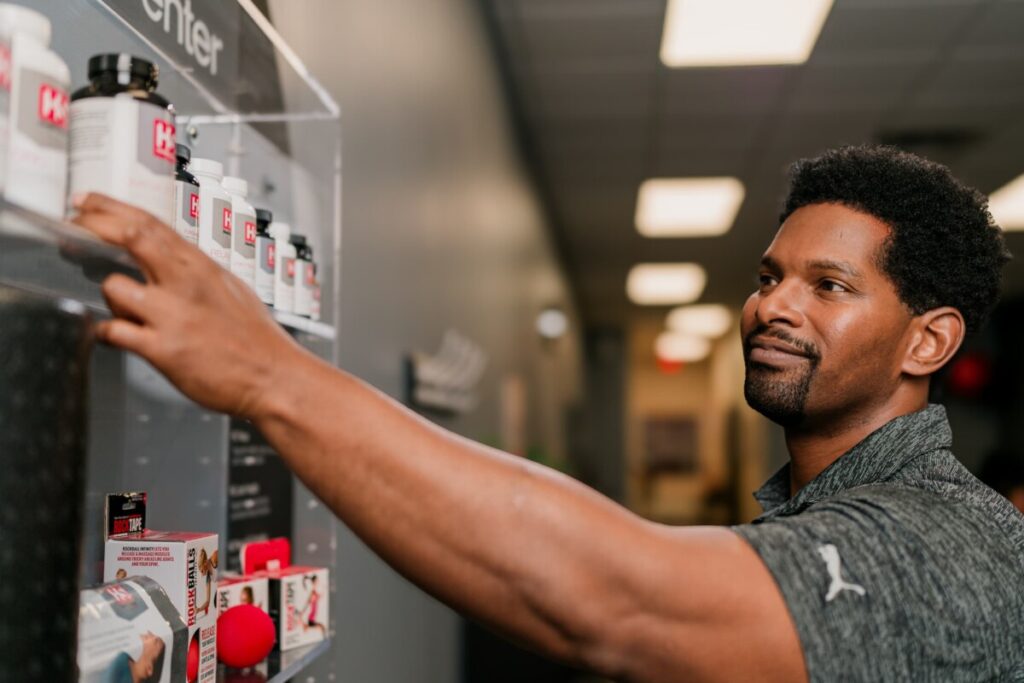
192, 661
245, 636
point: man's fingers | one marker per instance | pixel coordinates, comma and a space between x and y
94, 201
140, 234
127, 335
128, 298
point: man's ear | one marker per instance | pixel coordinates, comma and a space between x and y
935, 336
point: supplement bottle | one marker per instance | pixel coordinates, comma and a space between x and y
34, 85
284, 268
243, 223
186, 197
215, 219
265, 248
122, 135
305, 276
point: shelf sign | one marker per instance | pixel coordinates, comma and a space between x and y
216, 43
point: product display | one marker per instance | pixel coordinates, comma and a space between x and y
299, 604
123, 135
215, 215
185, 564
34, 84
131, 626
284, 268
305, 276
263, 276
161, 615
243, 220
186, 197
242, 590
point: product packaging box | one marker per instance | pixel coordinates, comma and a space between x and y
185, 564
242, 590
299, 604
129, 630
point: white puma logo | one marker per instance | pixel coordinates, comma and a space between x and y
830, 554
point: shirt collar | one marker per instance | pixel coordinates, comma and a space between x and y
876, 458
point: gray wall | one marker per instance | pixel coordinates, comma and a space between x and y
440, 230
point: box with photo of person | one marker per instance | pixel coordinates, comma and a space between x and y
185, 564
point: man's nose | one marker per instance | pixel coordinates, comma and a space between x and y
783, 304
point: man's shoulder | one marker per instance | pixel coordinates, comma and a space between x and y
936, 494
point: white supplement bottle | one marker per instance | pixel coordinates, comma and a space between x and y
186, 197
265, 251
123, 135
243, 239
305, 276
215, 217
34, 85
284, 268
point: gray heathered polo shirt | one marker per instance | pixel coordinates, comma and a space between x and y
896, 563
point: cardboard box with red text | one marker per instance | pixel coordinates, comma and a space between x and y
185, 564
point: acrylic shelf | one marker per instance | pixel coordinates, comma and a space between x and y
60, 260
278, 667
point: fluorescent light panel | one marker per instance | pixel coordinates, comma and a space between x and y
679, 347
703, 320
665, 284
687, 207
741, 32
1007, 205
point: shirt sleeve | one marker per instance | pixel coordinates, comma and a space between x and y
888, 585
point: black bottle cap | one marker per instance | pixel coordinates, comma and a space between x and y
183, 153
122, 62
264, 216
297, 240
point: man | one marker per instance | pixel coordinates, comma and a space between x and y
878, 557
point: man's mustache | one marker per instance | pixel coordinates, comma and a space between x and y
806, 347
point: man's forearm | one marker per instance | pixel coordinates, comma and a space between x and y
507, 541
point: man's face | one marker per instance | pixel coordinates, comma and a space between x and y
823, 335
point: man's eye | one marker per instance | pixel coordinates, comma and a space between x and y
766, 280
833, 286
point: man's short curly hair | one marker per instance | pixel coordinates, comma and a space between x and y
943, 248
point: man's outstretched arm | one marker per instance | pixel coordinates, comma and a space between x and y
525, 550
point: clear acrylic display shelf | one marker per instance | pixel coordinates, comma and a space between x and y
269, 122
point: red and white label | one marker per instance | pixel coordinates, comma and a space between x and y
53, 106
193, 205
310, 275
225, 221
163, 140
250, 233
271, 251
5, 67
119, 594
290, 263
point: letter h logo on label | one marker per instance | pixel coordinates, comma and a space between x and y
53, 106
193, 205
163, 140
5, 67
225, 222
271, 251
250, 233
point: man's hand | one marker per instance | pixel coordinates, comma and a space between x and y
198, 324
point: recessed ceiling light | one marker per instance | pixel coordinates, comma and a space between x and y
687, 207
665, 284
552, 323
704, 320
1007, 205
738, 32
679, 347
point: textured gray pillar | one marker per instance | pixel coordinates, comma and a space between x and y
44, 350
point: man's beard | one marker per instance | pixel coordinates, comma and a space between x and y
779, 395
